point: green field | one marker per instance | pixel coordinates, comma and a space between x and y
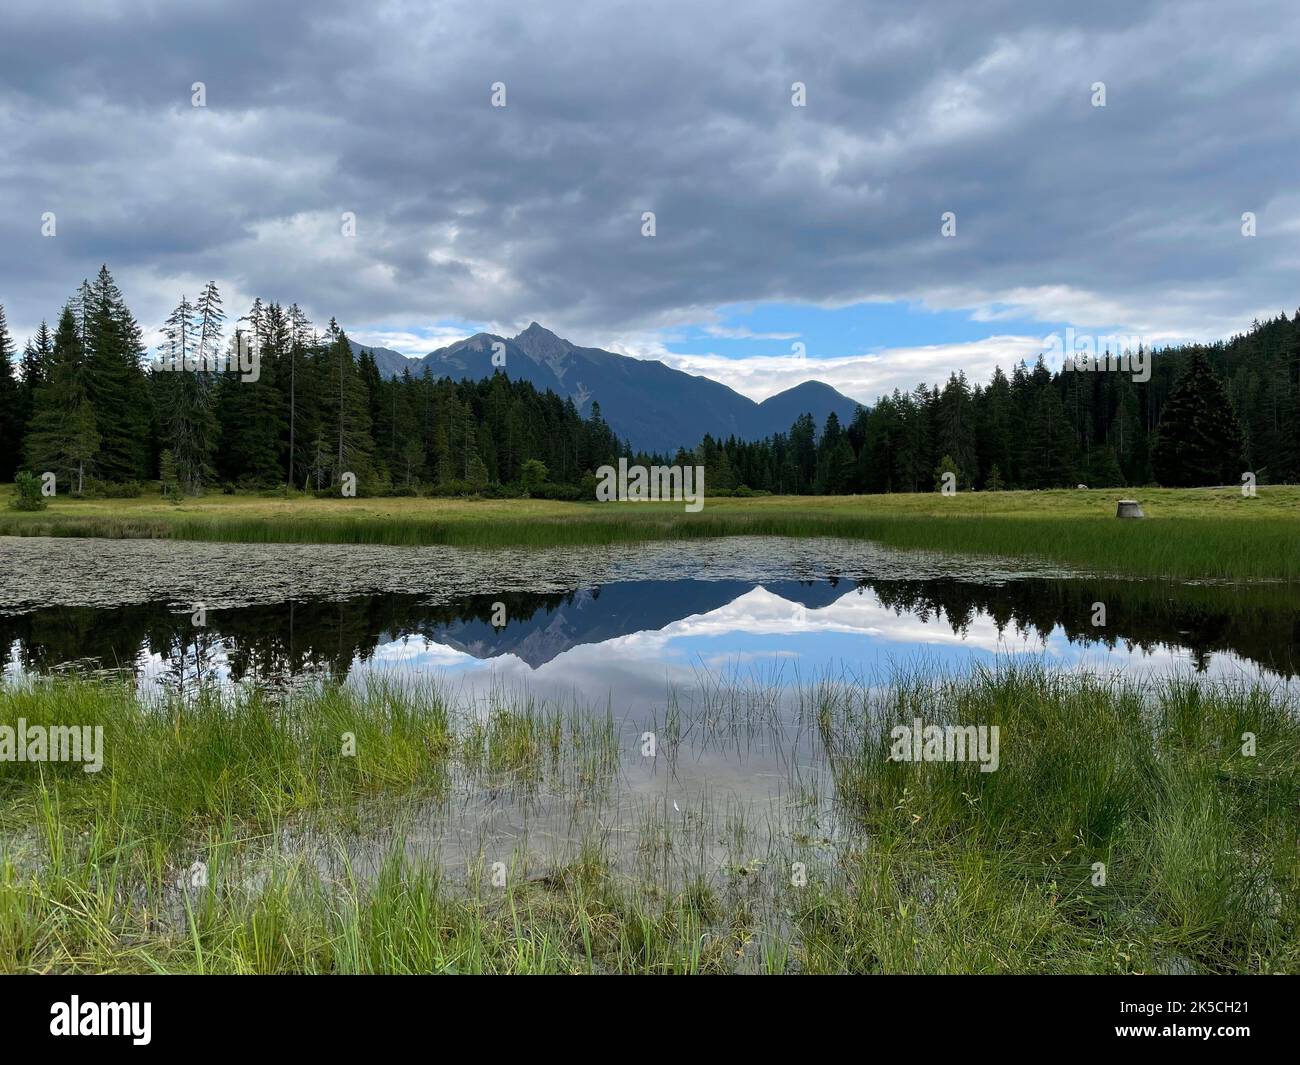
909, 867
1214, 533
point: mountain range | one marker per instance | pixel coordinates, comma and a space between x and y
652, 406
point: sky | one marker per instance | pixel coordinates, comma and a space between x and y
353, 158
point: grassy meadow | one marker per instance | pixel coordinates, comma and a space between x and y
1188, 533
907, 867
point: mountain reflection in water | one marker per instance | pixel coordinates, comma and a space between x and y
627, 641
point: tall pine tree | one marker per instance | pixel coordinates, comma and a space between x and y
115, 382
1199, 439
63, 438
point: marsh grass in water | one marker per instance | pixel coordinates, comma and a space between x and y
253, 756
908, 866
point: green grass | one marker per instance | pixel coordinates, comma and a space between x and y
181, 767
1198, 841
910, 867
1198, 533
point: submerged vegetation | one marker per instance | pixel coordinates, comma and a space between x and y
1202, 533
1127, 829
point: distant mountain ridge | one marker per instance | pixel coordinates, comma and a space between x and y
651, 405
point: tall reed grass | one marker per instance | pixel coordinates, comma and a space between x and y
906, 866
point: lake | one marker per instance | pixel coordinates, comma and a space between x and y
623, 627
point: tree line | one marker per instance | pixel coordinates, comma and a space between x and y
89, 405
86, 403
1209, 414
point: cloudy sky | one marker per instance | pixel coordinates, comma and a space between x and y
775, 225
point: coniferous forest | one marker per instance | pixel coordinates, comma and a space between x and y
86, 400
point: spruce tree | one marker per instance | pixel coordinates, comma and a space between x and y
64, 437
115, 382
835, 463
954, 424
35, 366
1199, 440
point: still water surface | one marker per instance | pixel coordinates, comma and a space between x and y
618, 627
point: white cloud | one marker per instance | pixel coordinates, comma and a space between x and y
862, 377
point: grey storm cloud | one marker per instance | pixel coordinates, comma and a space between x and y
1126, 215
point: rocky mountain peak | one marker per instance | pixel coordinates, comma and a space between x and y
540, 344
